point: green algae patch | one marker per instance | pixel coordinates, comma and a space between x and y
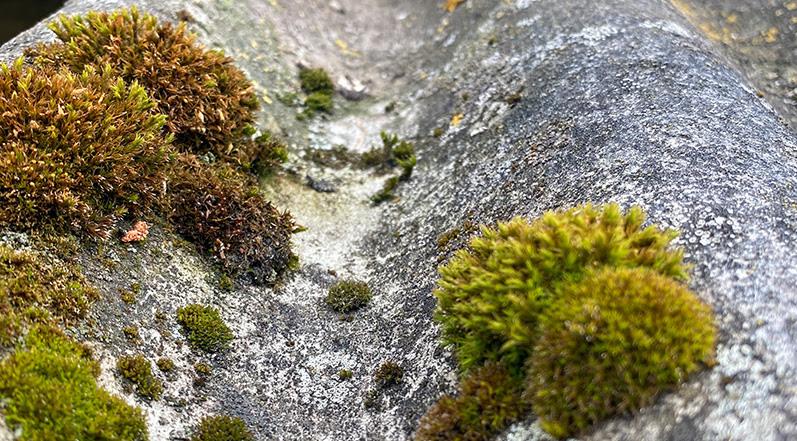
222, 428
33, 292
204, 328
49, 391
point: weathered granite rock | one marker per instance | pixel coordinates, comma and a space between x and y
616, 100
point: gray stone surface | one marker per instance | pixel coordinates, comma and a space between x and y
618, 101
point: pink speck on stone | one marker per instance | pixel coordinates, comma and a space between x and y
138, 233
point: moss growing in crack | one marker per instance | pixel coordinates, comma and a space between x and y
389, 374
221, 428
209, 101
49, 391
393, 152
165, 364
32, 291
612, 343
490, 296
77, 150
345, 375
138, 370
348, 295
204, 328
489, 399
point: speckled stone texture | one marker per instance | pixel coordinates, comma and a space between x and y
570, 102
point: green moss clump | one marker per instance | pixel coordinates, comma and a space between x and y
128, 297
222, 428
33, 292
131, 332
220, 209
491, 295
612, 343
138, 370
318, 101
490, 398
204, 328
77, 150
49, 391
209, 101
345, 374
389, 374
316, 81
348, 295
165, 364
202, 368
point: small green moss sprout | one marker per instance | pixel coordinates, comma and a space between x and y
222, 428
202, 368
389, 374
348, 295
393, 152
490, 398
49, 392
316, 81
138, 370
204, 327
345, 375
614, 342
131, 332
165, 364
127, 296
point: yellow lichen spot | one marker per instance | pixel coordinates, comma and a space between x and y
254, 44
456, 119
791, 6
243, 55
732, 18
771, 35
424, 75
265, 97
265, 69
273, 3
450, 5
344, 48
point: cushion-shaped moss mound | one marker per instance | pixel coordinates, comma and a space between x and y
612, 343
209, 102
48, 389
76, 150
204, 327
222, 428
492, 294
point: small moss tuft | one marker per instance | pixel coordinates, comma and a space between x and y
348, 295
612, 343
49, 392
204, 328
393, 152
131, 332
165, 364
222, 428
318, 101
127, 296
389, 374
490, 399
316, 81
202, 368
345, 374
138, 370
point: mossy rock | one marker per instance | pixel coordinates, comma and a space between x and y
612, 343
204, 328
49, 391
492, 294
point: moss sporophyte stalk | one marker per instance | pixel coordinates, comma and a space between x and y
525, 294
